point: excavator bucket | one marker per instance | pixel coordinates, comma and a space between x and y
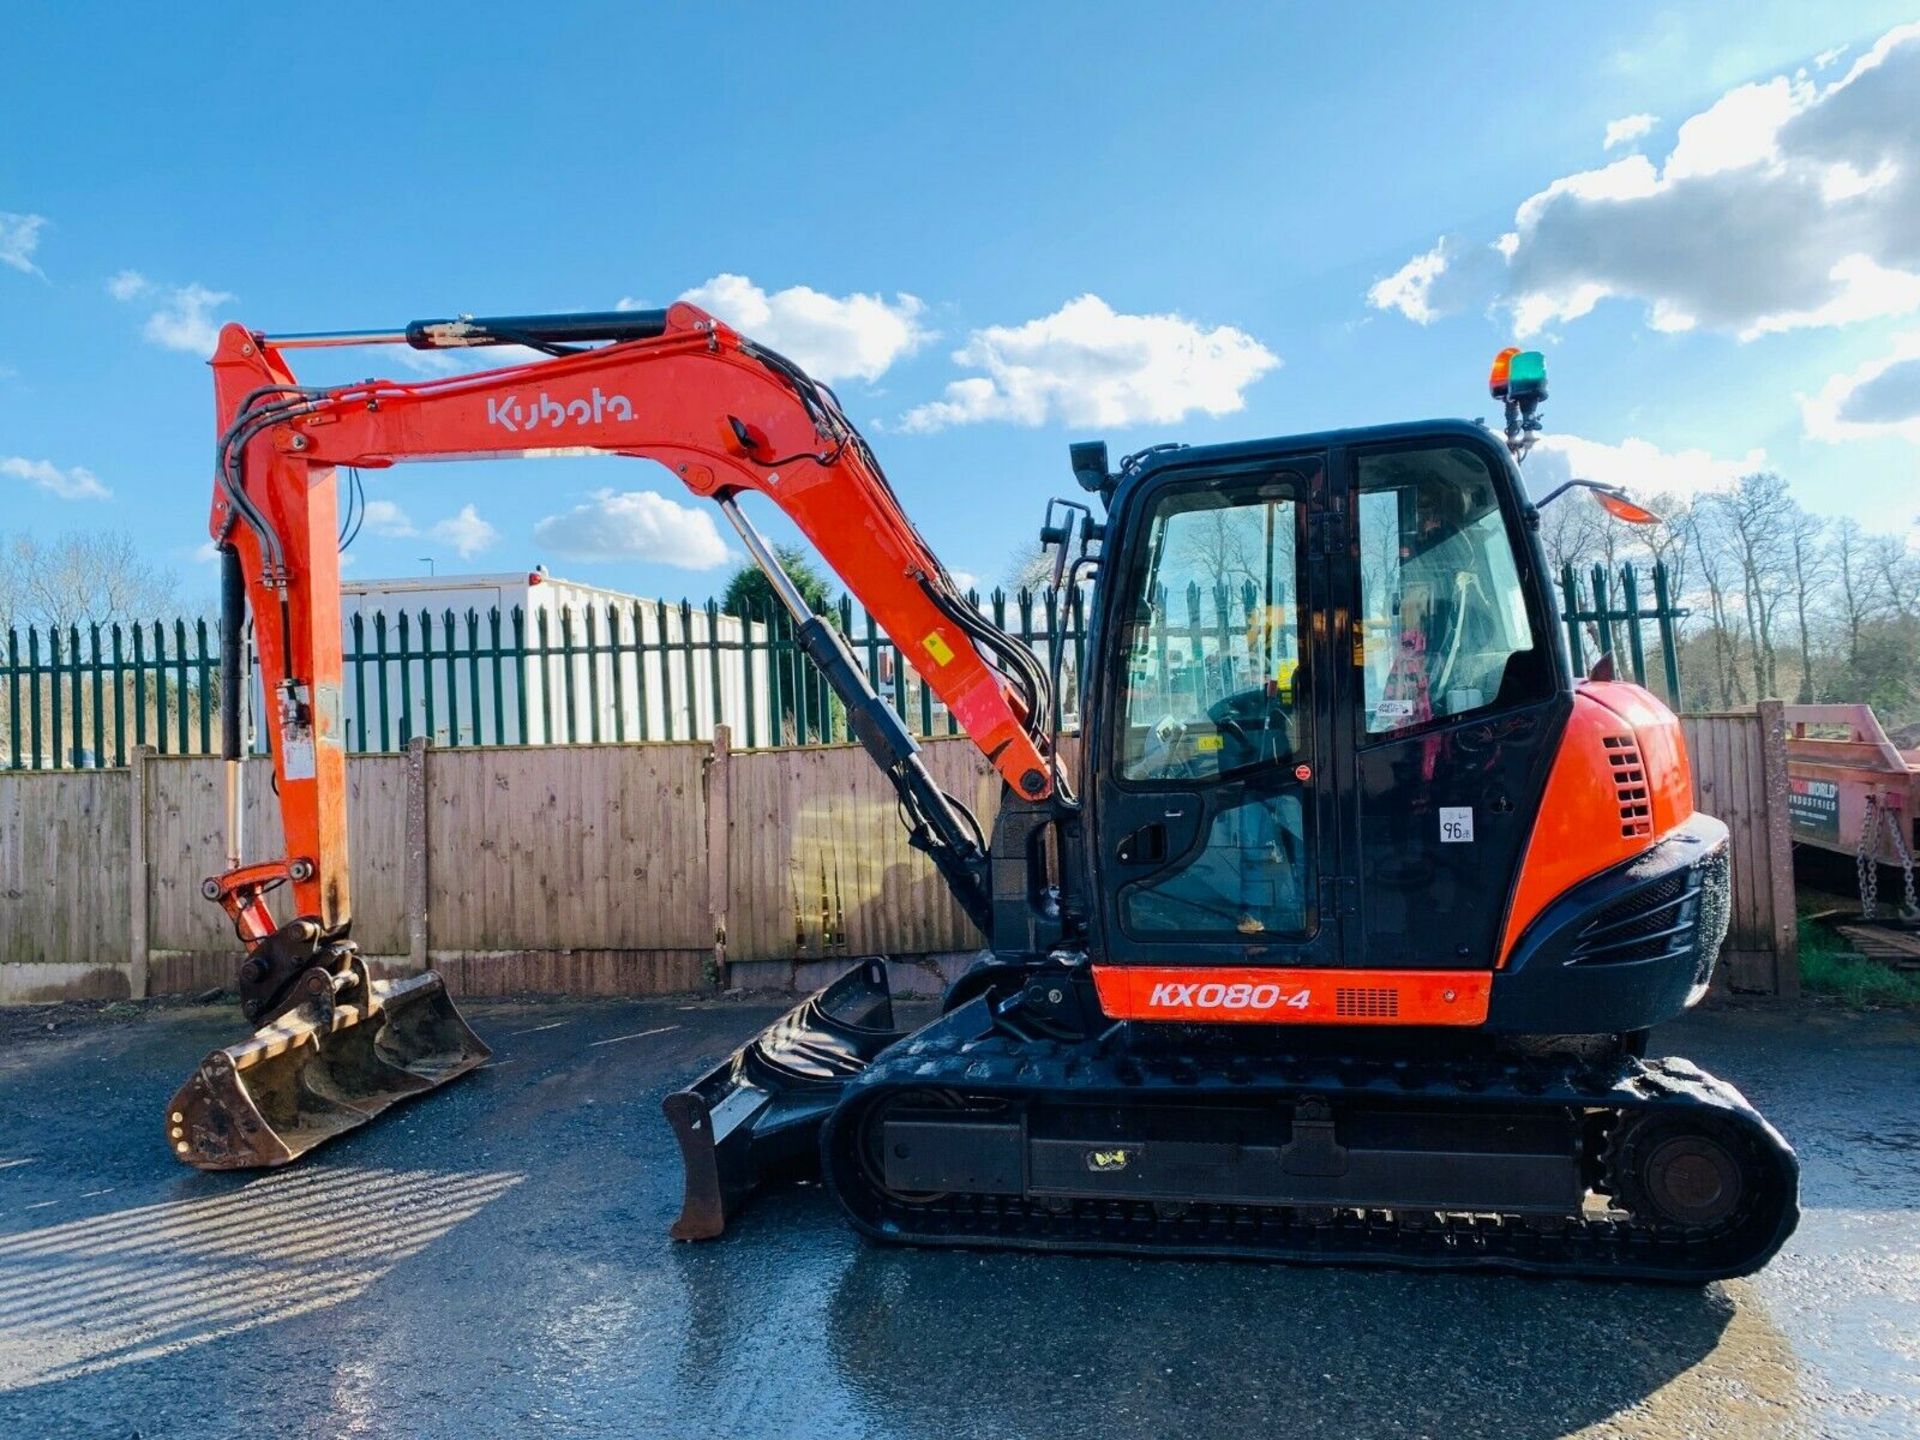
757, 1114
318, 1071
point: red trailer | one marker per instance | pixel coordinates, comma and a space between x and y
1853, 792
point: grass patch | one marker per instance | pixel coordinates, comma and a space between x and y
1829, 967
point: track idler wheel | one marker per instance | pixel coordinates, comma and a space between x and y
1677, 1173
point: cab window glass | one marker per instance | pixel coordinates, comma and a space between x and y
1213, 642
1445, 629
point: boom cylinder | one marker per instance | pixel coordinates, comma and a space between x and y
613, 326
233, 681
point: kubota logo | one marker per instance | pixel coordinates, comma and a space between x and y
518, 413
1172, 995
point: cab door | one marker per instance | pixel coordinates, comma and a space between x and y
1457, 697
1214, 825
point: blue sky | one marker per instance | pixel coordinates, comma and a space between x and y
1135, 222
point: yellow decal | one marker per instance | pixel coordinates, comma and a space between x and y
938, 648
1207, 744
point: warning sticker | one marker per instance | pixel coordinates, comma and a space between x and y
938, 648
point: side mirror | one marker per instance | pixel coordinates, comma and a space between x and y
1056, 535
1612, 499
1621, 508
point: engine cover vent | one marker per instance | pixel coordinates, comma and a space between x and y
1630, 786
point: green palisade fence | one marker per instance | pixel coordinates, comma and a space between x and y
1611, 608
625, 671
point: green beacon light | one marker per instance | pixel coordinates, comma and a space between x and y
1519, 381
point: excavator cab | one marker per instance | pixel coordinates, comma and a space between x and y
1312, 636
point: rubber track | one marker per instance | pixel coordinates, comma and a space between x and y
953, 1054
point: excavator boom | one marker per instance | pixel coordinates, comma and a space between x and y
335, 1043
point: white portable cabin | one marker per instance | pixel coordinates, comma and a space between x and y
651, 674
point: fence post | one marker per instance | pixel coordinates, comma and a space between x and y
1773, 773
1630, 603
417, 858
719, 848
138, 959
1570, 615
1669, 652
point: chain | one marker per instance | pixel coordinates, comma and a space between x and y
1864, 863
1912, 911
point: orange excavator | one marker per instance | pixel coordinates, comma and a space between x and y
1342, 944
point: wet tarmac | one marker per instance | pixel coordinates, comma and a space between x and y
493, 1261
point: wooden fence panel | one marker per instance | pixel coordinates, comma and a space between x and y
1734, 779
598, 868
63, 885
576, 867
187, 841
820, 866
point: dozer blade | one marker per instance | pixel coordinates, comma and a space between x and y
758, 1113
318, 1071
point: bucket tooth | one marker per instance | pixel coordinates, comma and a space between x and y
319, 1071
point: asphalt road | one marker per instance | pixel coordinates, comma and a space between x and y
492, 1261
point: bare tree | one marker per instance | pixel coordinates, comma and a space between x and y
81, 578
1706, 529
1786, 602
1570, 533
1804, 535
1897, 572
1667, 542
1030, 567
13, 582
1758, 519
1855, 569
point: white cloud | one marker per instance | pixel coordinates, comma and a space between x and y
1410, 288
832, 337
1629, 128
386, 519
19, 238
1087, 365
185, 315
1740, 129
74, 483
1881, 397
1638, 466
185, 319
1784, 205
634, 525
466, 532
